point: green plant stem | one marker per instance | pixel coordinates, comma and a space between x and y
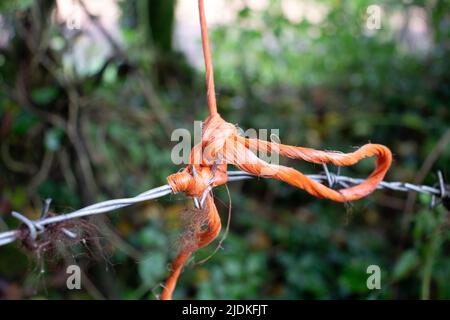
430, 254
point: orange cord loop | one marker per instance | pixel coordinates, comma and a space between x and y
221, 145
220, 138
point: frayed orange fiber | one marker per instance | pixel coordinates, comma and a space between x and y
222, 145
203, 236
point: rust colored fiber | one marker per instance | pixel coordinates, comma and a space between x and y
222, 145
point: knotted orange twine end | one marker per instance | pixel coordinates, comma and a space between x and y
222, 145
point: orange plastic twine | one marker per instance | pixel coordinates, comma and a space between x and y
222, 145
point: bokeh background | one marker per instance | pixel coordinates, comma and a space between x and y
89, 96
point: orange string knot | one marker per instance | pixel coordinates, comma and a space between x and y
207, 167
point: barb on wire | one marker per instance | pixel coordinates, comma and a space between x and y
36, 227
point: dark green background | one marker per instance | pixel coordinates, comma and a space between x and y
79, 139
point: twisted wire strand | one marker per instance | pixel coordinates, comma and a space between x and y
38, 226
98, 208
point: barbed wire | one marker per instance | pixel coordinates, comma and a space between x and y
37, 227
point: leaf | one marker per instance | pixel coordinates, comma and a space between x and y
353, 278
53, 138
11, 5
151, 237
406, 264
44, 95
23, 122
110, 74
152, 268
24, 4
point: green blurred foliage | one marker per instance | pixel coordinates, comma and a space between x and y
85, 135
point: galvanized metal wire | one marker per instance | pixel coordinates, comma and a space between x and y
36, 227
